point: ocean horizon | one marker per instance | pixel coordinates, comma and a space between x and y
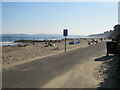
14, 37
8, 39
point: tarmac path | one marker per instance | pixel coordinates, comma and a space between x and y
38, 73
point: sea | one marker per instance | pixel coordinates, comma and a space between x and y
8, 39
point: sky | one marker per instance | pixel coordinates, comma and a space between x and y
80, 18
60, 0
119, 12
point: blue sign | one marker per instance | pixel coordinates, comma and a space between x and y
65, 32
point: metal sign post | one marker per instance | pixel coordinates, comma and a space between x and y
65, 33
65, 43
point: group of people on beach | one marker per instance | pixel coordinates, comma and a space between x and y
93, 41
47, 44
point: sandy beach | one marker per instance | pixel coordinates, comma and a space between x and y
12, 55
71, 70
93, 73
63, 72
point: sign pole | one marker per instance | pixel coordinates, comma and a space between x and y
65, 43
65, 33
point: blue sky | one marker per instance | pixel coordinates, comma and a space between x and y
119, 12
81, 18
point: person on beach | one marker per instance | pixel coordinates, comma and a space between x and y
101, 39
88, 42
33, 43
54, 44
55, 48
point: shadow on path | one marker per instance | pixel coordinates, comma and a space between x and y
104, 58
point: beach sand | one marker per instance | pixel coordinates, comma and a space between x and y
13, 55
106, 73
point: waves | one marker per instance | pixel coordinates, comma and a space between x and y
8, 43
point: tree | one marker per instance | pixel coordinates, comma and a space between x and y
116, 33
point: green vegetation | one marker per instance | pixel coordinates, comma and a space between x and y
105, 34
115, 35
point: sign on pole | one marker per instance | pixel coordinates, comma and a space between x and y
65, 33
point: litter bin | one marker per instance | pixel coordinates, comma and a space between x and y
111, 47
